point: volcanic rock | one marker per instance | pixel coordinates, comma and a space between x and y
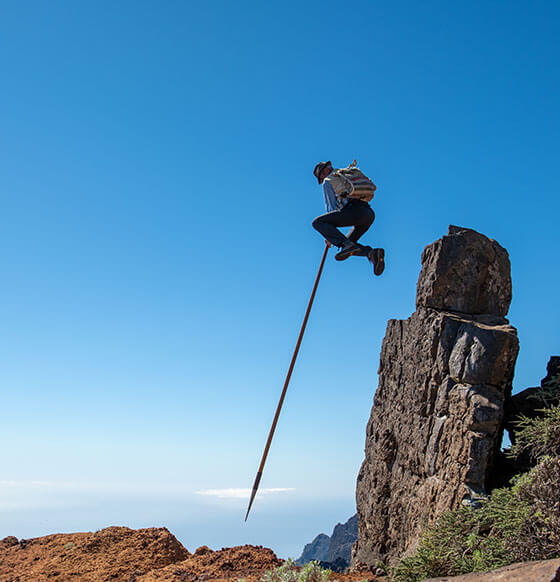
114, 554
120, 554
240, 562
543, 571
467, 272
8, 542
437, 420
531, 401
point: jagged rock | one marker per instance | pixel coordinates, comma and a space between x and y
342, 539
529, 402
334, 551
318, 550
465, 272
544, 571
436, 422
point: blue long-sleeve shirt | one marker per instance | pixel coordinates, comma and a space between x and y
331, 201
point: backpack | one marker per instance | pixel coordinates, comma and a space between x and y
355, 183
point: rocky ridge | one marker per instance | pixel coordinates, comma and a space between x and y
437, 420
342, 539
121, 554
114, 553
333, 552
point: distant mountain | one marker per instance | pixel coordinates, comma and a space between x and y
334, 551
342, 539
318, 550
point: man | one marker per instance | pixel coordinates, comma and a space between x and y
345, 211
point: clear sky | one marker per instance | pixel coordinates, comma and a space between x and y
157, 249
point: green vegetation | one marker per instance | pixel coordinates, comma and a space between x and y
289, 572
517, 523
539, 437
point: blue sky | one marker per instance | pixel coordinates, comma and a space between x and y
157, 251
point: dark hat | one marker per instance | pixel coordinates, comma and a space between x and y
319, 168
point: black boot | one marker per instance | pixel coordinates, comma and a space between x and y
346, 250
377, 258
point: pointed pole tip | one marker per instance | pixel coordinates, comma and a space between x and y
287, 381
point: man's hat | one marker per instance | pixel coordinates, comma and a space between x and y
319, 168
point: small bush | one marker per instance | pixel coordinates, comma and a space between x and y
515, 524
289, 572
467, 540
539, 536
538, 436
312, 572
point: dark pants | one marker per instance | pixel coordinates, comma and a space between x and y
357, 214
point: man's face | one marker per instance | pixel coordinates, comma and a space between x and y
324, 173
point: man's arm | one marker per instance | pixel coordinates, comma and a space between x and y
330, 198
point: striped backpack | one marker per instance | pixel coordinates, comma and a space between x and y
357, 184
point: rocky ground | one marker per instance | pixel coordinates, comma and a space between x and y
542, 571
120, 554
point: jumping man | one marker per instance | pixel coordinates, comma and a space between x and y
347, 192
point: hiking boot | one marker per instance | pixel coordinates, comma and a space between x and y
347, 250
377, 258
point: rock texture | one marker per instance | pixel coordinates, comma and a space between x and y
531, 401
333, 552
247, 563
465, 271
437, 420
120, 554
545, 571
114, 553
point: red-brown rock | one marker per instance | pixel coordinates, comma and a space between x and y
545, 571
111, 554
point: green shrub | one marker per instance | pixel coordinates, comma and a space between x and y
467, 540
289, 572
539, 536
538, 436
514, 524
312, 572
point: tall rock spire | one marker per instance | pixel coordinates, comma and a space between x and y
436, 423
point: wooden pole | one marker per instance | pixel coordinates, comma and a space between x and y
286, 382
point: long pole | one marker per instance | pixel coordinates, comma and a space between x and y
286, 382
